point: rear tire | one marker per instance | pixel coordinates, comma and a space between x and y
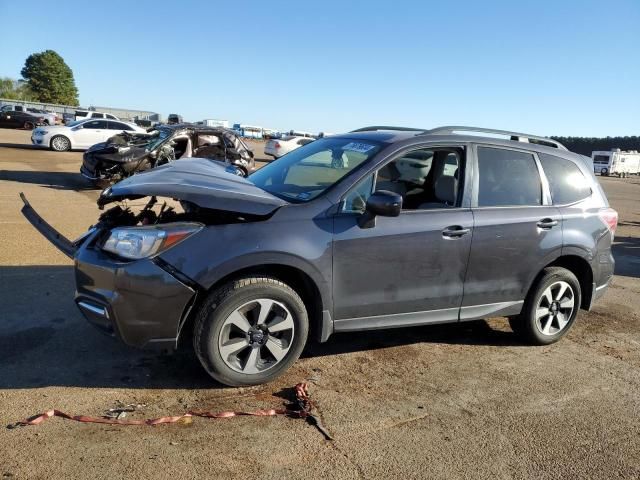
29, 125
249, 331
550, 308
60, 143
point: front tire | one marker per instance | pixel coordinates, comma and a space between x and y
550, 309
29, 125
249, 331
60, 143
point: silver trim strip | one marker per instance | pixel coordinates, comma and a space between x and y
473, 312
94, 309
407, 319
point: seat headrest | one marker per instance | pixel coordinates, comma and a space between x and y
446, 189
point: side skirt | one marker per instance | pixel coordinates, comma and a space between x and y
446, 315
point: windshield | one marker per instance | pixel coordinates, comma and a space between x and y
74, 123
156, 138
305, 173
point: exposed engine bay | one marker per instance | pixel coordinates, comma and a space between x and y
156, 211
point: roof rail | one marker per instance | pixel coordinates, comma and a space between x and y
518, 137
376, 128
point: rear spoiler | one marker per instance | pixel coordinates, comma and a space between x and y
58, 240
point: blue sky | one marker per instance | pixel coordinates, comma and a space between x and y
563, 67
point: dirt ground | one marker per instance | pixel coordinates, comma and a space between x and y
461, 401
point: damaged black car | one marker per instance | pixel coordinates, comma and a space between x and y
127, 153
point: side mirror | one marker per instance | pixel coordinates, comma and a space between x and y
381, 203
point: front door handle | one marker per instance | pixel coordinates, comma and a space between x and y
455, 231
547, 223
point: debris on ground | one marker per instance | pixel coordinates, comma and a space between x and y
301, 406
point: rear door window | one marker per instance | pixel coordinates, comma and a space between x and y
95, 124
567, 183
507, 178
119, 126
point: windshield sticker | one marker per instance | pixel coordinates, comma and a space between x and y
358, 147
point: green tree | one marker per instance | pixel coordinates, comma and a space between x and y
15, 89
50, 78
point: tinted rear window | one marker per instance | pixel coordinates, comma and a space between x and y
507, 178
567, 183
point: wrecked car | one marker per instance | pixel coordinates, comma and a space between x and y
379, 228
131, 152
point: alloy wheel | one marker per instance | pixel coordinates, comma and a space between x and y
60, 144
555, 308
256, 336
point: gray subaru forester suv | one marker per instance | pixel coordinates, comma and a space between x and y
382, 227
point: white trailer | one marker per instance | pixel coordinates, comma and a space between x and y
214, 122
616, 162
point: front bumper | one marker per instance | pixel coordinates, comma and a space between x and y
38, 140
136, 301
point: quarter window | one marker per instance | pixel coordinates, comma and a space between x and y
507, 178
567, 183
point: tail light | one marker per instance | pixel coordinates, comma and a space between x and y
276, 145
610, 218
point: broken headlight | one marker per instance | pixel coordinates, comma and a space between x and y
141, 242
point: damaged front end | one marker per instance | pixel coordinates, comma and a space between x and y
123, 286
117, 158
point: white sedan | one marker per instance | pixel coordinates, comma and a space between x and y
80, 135
286, 144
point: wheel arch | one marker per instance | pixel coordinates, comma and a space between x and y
299, 280
581, 269
60, 135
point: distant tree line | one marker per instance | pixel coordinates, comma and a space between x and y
586, 145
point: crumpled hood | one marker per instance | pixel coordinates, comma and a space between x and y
203, 182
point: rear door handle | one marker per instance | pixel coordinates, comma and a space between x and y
547, 223
455, 231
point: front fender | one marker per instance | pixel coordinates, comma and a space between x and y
221, 250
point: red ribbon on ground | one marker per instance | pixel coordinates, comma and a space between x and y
301, 408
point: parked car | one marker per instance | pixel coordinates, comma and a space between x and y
378, 228
13, 119
126, 154
86, 115
48, 118
278, 147
174, 119
81, 134
67, 118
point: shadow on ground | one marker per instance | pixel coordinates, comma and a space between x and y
21, 146
56, 180
626, 251
44, 341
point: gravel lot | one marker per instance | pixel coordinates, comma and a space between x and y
461, 401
